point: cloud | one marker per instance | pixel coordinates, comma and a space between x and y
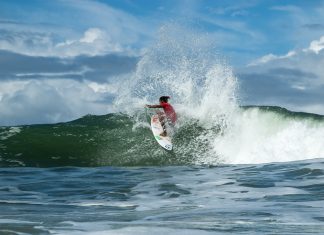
55, 68
316, 46
297, 23
92, 35
60, 64
33, 43
270, 57
303, 58
51, 89
121, 26
93, 68
36, 102
93, 42
50, 101
295, 80
99, 29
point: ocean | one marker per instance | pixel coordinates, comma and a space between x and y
107, 175
234, 169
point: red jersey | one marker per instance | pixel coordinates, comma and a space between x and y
169, 112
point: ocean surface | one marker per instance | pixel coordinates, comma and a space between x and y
107, 175
233, 169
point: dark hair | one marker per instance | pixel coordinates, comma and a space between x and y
164, 98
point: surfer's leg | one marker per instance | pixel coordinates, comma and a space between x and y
168, 127
164, 133
162, 119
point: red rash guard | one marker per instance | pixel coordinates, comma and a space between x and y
169, 112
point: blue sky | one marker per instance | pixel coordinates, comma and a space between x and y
52, 53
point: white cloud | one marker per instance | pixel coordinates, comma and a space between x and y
93, 42
271, 57
104, 87
122, 27
99, 29
92, 35
298, 87
316, 46
50, 101
80, 72
294, 80
30, 43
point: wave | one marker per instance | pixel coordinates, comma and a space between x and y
212, 127
258, 135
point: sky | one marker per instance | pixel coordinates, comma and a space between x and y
60, 60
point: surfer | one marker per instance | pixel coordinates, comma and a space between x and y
168, 117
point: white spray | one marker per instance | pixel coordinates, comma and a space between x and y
186, 66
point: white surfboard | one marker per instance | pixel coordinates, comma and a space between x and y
157, 129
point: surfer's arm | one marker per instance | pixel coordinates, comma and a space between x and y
154, 106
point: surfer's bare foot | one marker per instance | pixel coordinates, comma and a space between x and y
163, 134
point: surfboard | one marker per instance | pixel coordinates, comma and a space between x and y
157, 129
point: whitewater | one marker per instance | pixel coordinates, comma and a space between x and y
234, 169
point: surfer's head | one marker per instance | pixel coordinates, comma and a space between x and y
164, 99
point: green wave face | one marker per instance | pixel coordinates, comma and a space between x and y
109, 140
120, 140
